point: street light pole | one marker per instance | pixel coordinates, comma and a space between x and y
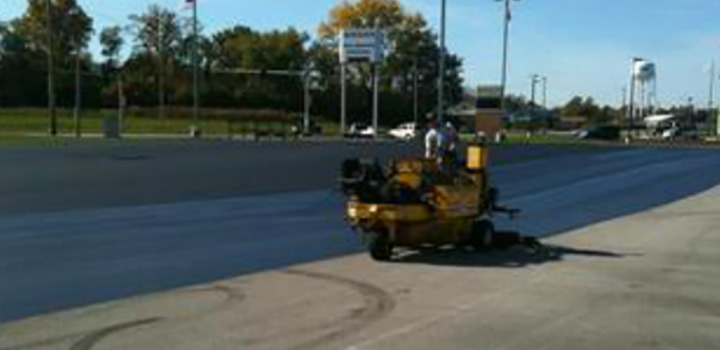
630, 116
51, 68
544, 87
506, 44
711, 104
711, 98
196, 74
306, 102
443, 54
416, 109
534, 79
78, 96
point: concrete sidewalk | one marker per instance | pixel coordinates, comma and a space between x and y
649, 281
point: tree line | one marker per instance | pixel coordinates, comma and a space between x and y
150, 59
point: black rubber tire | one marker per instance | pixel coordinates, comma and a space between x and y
379, 246
483, 235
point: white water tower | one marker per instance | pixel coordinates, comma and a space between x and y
644, 85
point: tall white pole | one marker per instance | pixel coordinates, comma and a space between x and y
544, 85
78, 96
161, 77
121, 104
533, 89
196, 74
630, 117
711, 101
624, 97
506, 44
711, 98
416, 109
443, 54
376, 99
343, 98
306, 103
51, 68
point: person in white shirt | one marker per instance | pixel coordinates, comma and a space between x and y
432, 141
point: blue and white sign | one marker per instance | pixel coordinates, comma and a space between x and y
362, 45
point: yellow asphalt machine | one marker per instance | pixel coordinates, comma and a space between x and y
419, 202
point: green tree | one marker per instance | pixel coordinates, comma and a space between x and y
72, 28
382, 14
587, 107
242, 48
412, 49
574, 108
20, 64
71, 31
158, 34
112, 42
516, 103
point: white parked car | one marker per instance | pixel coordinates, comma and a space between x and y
360, 130
407, 131
670, 134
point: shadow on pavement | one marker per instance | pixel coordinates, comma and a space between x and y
515, 257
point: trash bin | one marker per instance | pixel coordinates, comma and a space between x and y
111, 127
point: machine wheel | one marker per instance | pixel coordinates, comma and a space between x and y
379, 246
483, 235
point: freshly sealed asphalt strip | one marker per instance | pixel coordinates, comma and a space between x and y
56, 261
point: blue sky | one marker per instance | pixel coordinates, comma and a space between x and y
583, 46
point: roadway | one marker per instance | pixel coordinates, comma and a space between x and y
84, 225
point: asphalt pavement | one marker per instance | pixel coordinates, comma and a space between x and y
85, 225
101, 174
647, 281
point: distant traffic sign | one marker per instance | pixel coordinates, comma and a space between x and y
362, 45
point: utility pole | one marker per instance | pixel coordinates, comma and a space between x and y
78, 95
506, 44
443, 54
51, 68
711, 101
121, 104
544, 87
711, 98
343, 98
534, 79
161, 77
691, 110
306, 101
195, 131
630, 116
416, 107
376, 98
624, 97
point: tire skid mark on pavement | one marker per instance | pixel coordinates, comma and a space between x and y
378, 304
233, 296
46, 342
89, 341
86, 340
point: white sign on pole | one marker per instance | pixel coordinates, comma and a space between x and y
362, 45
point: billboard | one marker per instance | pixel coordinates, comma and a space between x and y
362, 45
489, 97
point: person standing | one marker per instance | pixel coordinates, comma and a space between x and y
450, 140
432, 141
